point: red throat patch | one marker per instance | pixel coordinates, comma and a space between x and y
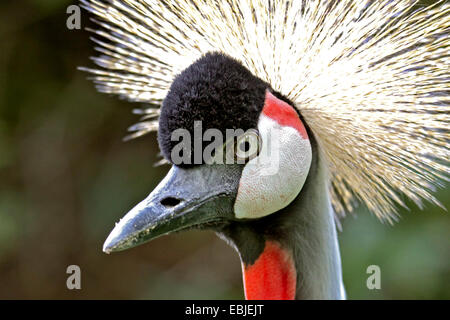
272, 276
283, 113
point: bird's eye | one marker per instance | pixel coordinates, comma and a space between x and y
244, 146
248, 146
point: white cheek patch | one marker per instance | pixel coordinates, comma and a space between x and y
274, 179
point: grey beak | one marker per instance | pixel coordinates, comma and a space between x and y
185, 198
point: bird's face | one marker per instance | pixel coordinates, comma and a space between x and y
239, 152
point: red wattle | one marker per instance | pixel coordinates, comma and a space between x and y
272, 276
283, 113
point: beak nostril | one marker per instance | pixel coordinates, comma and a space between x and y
170, 202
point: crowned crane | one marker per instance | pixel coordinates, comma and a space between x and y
339, 102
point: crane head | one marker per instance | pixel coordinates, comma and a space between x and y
239, 152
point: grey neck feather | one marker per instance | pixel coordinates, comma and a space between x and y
315, 246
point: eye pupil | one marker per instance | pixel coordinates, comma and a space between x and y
245, 146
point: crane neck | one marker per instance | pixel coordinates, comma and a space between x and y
313, 240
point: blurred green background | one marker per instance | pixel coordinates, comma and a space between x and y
66, 177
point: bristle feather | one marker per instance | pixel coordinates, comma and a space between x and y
370, 78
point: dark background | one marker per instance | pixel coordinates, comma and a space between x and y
66, 177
